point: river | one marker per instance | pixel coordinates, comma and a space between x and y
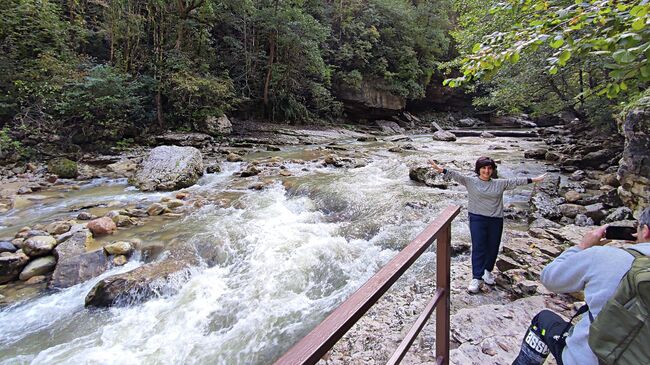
287, 256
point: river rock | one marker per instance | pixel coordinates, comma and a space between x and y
250, 171
85, 216
389, 127
143, 282
62, 167
120, 260
39, 266
74, 265
119, 248
213, 169
537, 154
73, 245
634, 169
214, 126
39, 245
572, 196
11, 264
233, 157
123, 221
169, 168
31, 233
77, 269
619, 214
583, 221
610, 179
174, 203
428, 176
6, 246
545, 206
569, 234
57, 228
596, 212
571, 210
155, 209
505, 263
103, 225
443, 136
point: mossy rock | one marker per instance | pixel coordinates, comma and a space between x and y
62, 167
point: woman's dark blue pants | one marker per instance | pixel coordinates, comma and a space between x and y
486, 238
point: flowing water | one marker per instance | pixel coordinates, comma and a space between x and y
286, 257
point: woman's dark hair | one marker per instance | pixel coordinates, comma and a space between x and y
484, 161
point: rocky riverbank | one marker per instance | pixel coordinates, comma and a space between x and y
62, 253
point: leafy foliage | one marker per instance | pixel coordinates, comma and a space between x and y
614, 31
102, 104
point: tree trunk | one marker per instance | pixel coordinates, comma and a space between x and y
267, 82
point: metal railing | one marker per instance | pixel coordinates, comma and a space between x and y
322, 338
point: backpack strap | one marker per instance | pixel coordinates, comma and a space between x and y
634, 252
582, 310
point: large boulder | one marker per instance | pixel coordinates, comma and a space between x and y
426, 175
443, 136
62, 167
634, 168
214, 126
169, 168
143, 282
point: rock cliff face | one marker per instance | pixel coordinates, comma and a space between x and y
634, 169
370, 102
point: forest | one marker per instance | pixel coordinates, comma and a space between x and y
74, 72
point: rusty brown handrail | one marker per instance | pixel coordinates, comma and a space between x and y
321, 339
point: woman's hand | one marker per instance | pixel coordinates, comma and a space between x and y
539, 178
435, 166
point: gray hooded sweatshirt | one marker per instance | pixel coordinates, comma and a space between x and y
596, 270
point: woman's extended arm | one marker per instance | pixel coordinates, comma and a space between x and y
462, 179
539, 178
435, 166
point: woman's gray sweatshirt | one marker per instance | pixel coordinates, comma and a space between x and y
485, 197
596, 270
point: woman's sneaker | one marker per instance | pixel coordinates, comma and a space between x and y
488, 278
474, 286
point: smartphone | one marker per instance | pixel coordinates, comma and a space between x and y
620, 233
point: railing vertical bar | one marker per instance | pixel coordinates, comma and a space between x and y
406, 343
443, 281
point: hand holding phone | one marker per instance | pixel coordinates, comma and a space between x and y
620, 233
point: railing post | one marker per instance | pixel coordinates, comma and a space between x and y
443, 281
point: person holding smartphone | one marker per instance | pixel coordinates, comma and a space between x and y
485, 207
593, 268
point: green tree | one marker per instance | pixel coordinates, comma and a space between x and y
615, 31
